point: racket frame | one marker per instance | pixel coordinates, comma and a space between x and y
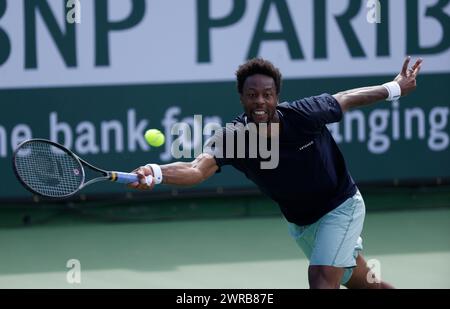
112, 176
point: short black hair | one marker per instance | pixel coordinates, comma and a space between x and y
257, 66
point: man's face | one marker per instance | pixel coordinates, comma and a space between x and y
259, 98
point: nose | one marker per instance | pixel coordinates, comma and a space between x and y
259, 101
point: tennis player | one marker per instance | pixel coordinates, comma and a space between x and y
311, 183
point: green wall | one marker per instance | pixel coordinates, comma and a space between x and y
423, 155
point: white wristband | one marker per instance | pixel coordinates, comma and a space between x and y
157, 173
394, 90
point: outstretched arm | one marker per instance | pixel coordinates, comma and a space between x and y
180, 173
364, 96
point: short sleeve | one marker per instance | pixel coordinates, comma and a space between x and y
318, 111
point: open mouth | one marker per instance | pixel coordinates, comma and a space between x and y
260, 113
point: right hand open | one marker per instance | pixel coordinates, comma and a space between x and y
142, 172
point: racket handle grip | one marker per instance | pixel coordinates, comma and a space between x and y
128, 178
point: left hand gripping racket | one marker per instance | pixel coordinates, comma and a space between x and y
49, 169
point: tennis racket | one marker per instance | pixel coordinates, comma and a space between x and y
49, 169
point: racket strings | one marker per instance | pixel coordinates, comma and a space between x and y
48, 170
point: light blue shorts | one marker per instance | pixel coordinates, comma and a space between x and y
334, 240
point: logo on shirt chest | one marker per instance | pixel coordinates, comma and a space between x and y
306, 146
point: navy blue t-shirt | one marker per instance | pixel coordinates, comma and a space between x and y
311, 178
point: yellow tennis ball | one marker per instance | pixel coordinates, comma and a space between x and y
154, 137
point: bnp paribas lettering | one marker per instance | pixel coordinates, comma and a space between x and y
39, 14
319, 11
41, 17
